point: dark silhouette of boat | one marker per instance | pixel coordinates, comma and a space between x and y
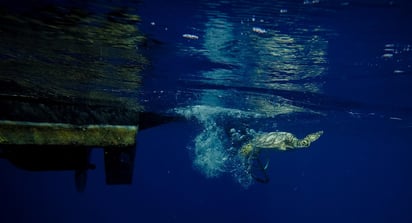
69, 82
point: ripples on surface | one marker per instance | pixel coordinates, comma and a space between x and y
85, 52
259, 46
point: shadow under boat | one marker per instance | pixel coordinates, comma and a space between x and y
45, 145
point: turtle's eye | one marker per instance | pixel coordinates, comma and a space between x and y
305, 143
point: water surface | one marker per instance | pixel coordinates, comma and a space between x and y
343, 67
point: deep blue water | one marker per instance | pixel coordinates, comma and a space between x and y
343, 67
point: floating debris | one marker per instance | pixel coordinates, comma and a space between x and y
387, 55
190, 36
398, 71
307, 2
258, 30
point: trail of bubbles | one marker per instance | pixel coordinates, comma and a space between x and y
209, 150
215, 148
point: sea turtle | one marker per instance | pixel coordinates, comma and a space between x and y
278, 141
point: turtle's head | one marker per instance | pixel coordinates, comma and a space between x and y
305, 142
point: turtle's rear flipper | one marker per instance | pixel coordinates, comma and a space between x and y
258, 170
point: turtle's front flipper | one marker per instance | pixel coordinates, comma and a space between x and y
258, 170
247, 150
